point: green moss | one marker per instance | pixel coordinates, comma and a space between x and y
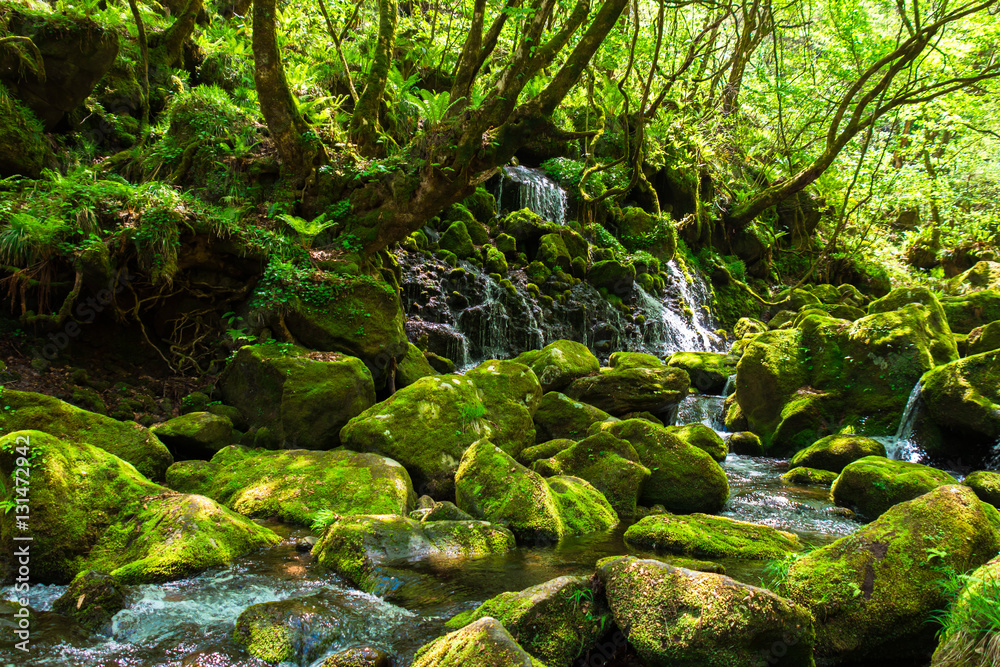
560, 417
834, 452
484, 642
23, 149
191, 476
963, 398
495, 261
456, 239
412, 367
544, 450
582, 507
627, 389
809, 476
708, 371
707, 536
874, 484
92, 599
559, 363
702, 437
986, 485
967, 312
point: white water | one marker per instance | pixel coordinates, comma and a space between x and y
701, 409
669, 329
902, 446
536, 191
730, 385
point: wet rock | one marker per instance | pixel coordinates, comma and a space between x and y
365, 656
745, 443
485, 642
682, 618
986, 484
612, 275
962, 400
91, 600
412, 367
705, 536
445, 511
702, 437
360, 548
559, 363
456, 239
876, 588
834, 452
874, 484
622, 390
303, 398
561, 417
555, 621
126, 440
809, 476
195, 435
709, 371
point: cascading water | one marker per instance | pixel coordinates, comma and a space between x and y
701, 409
902, 446
524, 187
489, 325
667, 330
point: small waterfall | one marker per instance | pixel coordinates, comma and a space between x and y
524, 187
730, 385
701, 409
666, 330
901, 446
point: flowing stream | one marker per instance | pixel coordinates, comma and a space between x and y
525, 187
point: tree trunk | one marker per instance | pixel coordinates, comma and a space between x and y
364, 122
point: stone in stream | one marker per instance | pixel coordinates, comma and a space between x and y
809, 476
706, 536
627, 388
610, 464
303, 398
363, 656
195, 435
559, 363
561, 417
708, 371
972, 641
962, 400
91, 510
684, 478
702, 437
986, 484
91, 600
745, 443
834, 452
681, 618
825, 375
555, 621
876, 589
301, 629
874, 484
484, 642
361, 548
294, 485
445, 511
491, 485
428, 425
24, 411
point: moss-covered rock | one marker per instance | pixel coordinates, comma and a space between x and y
553, 253
526, 226
797, 299
748, 326
428, 425
559, 363
962, 399
445, 510
876, 588
364, 318
191, 476
195, 435
360, 656
582, 508
621, 390
543, 450
745, 443
91, 599
826, 376
23, 148
294, 485
610, 464
970, 638
561, 417
984, 339
708, 371
412, 367
836, 451
612, 275
986, 484
484, 642
680, 618
983, 275
640, 230
705, 536
627, 360
555, 621
683, 478
702, 437
972, 310
303, 398
873, 484
360, 548
495, 262
809, 476
25, 411
456, 239
301, 629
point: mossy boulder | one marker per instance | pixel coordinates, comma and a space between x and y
561, 417
555, 621
91, 599
559, 363
195, 435
445, 510
495, 262
676, 617
543, 450
456, 239
582, 507
876, 588
91, 510
301, 629
972, 310
295, 485
363, 318
484, 642
873, 484
830, 376
802, 476
986, 484
705, 536
834, 452
971, 639
361, 548
683, 478
191, 476
627, 360
428, 425
640, 230
482, 205
303, 398
359, 656
552, 252
610, 464
621, 390
745, 443
24, 150
797, 299
25, 411
702, 437
748, 327
526, 226
962, 399
612, 275
412, 367
983, 275
984, 339
709, 371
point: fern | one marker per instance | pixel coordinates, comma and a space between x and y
307, 229
432, 108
